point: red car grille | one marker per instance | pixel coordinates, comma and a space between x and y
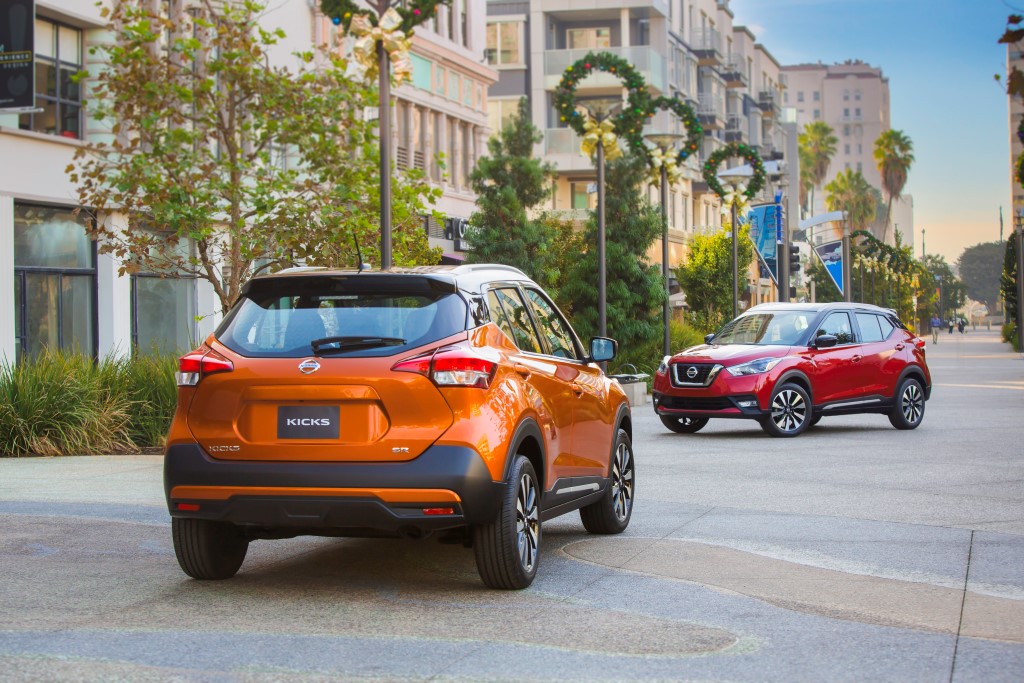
693, 374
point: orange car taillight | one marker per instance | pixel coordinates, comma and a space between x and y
197, 364
451, 366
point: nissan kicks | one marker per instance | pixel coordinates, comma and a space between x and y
453, 402
789, 365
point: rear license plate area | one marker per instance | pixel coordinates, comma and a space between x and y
308, 422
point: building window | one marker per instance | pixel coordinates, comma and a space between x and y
452, 18
860, 148
785, 97
846, 96
817, 114
846, 130
800, 96
588, 38
846, 113
856, 112
499, 112
54, 282
581, 196
58, 59
859, 167
163, 301
856, 95
454, 83
439, 80
421, 71
504, 41
817, 96
846, 149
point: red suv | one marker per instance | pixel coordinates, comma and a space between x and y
454, 402
789, 365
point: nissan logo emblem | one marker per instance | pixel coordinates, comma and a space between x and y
308, 366
691, 372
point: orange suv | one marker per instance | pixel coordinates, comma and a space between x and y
455, 402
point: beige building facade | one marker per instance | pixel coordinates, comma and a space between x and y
853, 99
1015, 60
688, 49
64, 294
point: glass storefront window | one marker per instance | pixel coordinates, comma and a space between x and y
54, 281
164, 313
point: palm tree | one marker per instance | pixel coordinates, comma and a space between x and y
817, 147
849, 192
894, 153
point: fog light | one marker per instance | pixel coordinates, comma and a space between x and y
747, 404
439, 511
188, 507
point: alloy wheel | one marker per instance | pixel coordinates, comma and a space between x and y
622, 481
527, 522
911, 403
789, 410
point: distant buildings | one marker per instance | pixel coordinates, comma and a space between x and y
852, 98
690, 49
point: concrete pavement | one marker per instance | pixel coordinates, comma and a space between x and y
854, 552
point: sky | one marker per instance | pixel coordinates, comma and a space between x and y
940, 57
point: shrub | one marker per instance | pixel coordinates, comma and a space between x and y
1009, 333
647, 358
61, 403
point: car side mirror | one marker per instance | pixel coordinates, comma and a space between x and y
825, 341
603, 349
708, 338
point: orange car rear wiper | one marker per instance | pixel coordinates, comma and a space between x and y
341, 344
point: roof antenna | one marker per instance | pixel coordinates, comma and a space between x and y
360, 267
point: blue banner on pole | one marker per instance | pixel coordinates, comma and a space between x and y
764, 229
831, 256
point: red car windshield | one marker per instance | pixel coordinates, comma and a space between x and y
770, 328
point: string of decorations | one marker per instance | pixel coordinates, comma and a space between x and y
629, 122
414, 13
735, 149
685, 113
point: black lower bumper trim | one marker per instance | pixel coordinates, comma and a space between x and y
441, 467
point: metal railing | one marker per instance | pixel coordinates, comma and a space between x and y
644, 59
706, 40
710, 104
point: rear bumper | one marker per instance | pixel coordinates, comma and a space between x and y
344, 499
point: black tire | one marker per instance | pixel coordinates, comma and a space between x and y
790, 412
684, 425
612, 513
208, 550
908, 411
508, 549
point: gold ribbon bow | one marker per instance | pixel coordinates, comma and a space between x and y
672, 170
600, 133
396, 43
735, 196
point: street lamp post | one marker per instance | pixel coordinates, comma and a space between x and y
666, 143
600, 108
384, 122
735, 183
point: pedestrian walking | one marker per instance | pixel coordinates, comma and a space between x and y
952, 324
960, 325
936, 325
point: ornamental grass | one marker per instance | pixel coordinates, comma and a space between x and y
61, 403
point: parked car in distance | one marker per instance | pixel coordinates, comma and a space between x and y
453, 402
789, 365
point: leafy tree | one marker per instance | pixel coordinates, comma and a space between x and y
706, 276
818, 146
849, 192
566, 245
635, 289
509, 182
1008, 279
980, 270
257, 166
894, 153
954, 292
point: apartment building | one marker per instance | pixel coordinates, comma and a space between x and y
853, 99
64, 294
688, 49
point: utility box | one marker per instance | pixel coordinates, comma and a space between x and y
635, 387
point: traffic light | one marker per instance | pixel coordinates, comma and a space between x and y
794, 259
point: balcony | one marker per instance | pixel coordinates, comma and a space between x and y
707, 45
735, 128
644, 58
562, 148
768, 100
710, 111
734, 71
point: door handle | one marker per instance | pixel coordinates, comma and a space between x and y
857, 359
522, 370
577, 389
900, 347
